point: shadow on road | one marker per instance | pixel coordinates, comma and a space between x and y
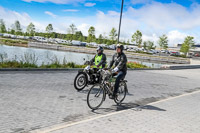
113, 108
124, 106
148, 107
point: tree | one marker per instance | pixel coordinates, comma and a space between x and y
91, 38
12, 31
124, 42
187, 45
105, 41
81, 38
145, 45
137, 38
109, 42
148, 45
128, 42
78, 35
91, 35
113, 34
91, 31
31, 29
72, 29
163, 42
69, 37
49, 28
100, 41
16, 28
2, 26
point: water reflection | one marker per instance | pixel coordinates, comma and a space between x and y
46, 56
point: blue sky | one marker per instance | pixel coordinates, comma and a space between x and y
36, 9
176, 18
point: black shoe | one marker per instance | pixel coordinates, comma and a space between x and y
112, 96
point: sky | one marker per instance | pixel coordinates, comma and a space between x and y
175, 18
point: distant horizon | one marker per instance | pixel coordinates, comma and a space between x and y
177, 19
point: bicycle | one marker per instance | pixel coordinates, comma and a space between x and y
98, 91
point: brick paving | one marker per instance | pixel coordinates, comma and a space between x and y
35, 100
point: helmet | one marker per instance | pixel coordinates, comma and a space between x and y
120, 46
100, 48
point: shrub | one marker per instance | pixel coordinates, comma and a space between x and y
136, 65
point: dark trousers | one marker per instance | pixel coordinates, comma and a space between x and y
119, 76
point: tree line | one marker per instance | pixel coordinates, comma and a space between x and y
74, 34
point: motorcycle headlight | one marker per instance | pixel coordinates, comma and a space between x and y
87, 67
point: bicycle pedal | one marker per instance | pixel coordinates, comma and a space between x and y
111, 97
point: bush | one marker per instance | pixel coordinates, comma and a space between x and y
136, 65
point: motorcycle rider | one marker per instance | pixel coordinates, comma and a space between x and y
119, 61
99, 59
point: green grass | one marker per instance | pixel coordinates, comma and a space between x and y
17, 64
12, 41
30, 61
20, 64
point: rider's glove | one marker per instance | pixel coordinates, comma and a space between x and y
115, 70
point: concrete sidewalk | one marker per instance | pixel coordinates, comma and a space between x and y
179, 114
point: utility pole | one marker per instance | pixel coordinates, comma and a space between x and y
120, 21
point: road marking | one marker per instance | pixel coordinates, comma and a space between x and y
65, 125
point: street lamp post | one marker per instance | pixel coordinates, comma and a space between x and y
120, 21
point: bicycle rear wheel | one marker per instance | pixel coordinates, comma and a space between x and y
121, 94
96, 96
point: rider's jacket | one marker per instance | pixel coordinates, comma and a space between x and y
119, 60
99, 60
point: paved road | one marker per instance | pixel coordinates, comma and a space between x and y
35, 100
176, 115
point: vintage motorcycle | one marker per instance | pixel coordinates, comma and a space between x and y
85, 77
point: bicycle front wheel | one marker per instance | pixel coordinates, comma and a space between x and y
95, 97
121, 94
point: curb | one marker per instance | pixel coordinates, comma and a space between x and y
179, 67
185, 67
39, 69
172, 67
68, 69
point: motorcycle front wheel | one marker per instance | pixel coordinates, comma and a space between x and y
80, 81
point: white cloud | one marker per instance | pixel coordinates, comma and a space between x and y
90, 4
84, 28
11, 16
105, 22
56, 1
50, 14
176, 37
152, 19
70, 10
152, 37
164, 16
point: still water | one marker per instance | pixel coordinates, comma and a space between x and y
46, 56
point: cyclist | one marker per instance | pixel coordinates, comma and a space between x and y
118, 62
99, 59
